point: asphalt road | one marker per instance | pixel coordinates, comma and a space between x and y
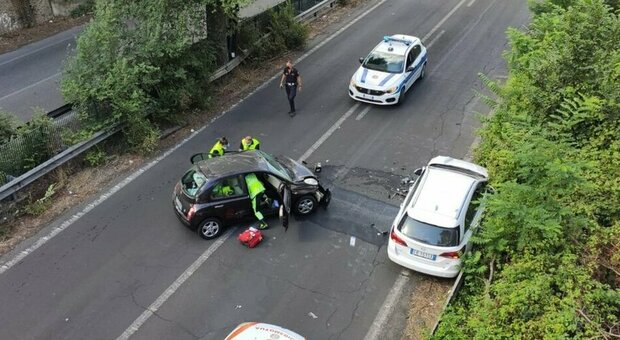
30, 76
127, 267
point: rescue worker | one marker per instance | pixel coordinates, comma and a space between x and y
256, 190
223, 190
219, 148
249, 143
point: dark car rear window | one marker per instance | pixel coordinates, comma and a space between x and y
428, 233
192, 181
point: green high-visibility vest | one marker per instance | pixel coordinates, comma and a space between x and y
217, 150
252, 146
255, 187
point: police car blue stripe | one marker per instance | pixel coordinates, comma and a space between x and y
386, 79
412, 73
364, 73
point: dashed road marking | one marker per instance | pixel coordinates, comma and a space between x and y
363, 113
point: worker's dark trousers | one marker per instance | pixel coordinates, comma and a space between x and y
291, 92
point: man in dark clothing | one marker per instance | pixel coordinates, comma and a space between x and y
292, 80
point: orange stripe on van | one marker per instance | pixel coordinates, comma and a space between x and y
242, 327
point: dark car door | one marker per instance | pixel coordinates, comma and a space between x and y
285, 208
229, 199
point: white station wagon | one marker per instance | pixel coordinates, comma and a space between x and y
438, 217
389, 71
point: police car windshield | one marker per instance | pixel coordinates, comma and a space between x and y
384, 62
277, 167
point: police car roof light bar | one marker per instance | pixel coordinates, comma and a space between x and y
388, 38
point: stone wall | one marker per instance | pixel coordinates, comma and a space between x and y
16, 14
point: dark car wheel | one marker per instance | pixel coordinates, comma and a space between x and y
210, 228
305, 205
401, 98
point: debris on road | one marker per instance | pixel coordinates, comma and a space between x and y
312, 315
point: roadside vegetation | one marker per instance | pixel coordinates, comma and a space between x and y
546, 263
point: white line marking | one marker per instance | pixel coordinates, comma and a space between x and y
37, 50
363, 113
388, 306
154, 307
19, 257
352, 241
22, 255
328, 133
435, 39
31, 85
471, 3
443, 20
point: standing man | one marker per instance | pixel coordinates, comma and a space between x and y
249, 143
219, 148
292, 79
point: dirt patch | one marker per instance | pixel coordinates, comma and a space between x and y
425, 306
16, 39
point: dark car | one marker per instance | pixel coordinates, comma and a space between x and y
201, 203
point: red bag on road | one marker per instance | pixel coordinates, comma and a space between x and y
251, 237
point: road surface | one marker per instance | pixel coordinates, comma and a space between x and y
125, 267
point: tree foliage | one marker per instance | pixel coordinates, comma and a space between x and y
546, 261
140, 59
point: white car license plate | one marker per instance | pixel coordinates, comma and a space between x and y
177, 204
422, 254
369, 97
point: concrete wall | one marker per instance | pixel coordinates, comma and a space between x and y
42, 10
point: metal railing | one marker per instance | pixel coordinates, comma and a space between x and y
67, 119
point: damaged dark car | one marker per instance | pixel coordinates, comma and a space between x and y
213, 193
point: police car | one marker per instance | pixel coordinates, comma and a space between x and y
389, 71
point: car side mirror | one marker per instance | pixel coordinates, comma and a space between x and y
418, 171
362, 59
410, 69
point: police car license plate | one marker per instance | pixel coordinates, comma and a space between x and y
369, 97
177, 204
422, 254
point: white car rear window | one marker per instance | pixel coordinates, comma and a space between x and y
428, 233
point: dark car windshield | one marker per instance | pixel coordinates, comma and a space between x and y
278, 168
428, 233
192, 181
385, 62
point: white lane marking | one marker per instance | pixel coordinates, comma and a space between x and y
31, 85
37, 50
22, 255
328, 133
19, 257
388, 306
471, 3
443, 20
154, 307
352, 241
435, 39
363, 113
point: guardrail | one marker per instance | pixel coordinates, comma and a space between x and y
12, 187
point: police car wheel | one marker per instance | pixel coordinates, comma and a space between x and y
305, 205
401, 98
423, 72
210, 228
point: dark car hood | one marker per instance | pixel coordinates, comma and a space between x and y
299, 170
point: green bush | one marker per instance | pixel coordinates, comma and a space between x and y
545, 261
8, 126
37, 138
96, 157
285, 34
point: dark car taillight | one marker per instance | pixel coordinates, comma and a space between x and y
191, 212
397, 239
